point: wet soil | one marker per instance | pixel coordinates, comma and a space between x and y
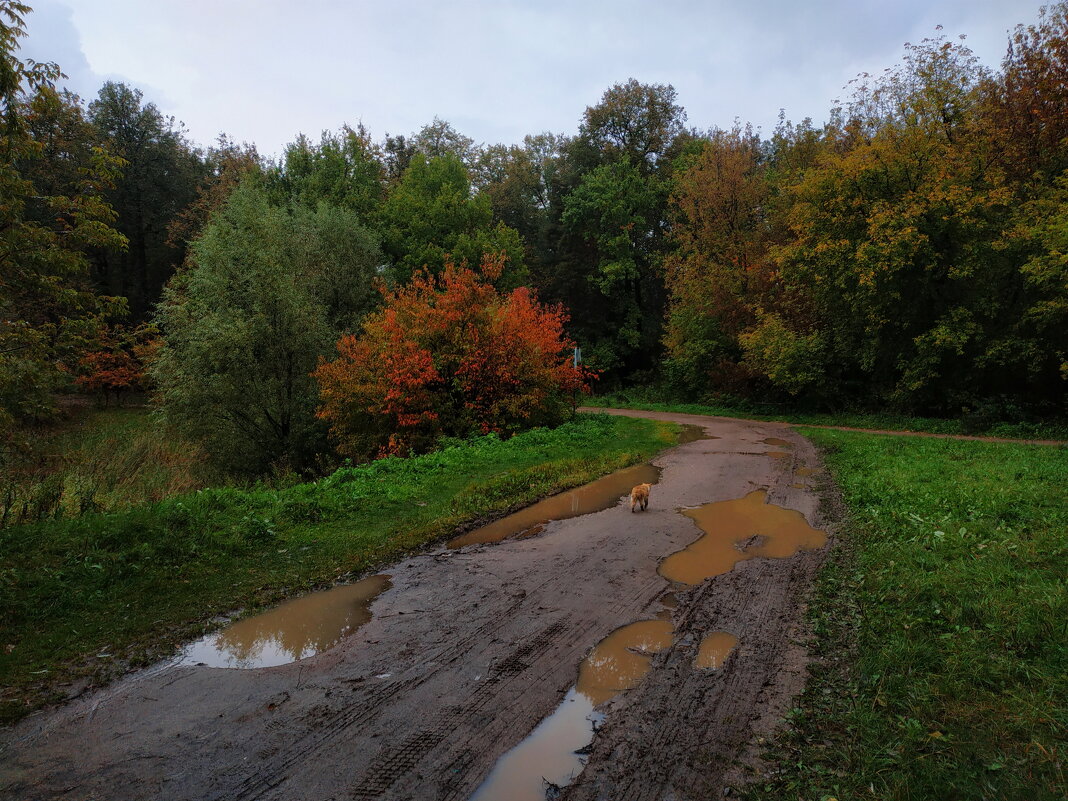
466, 654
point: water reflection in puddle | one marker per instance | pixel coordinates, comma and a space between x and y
692, 433
714, 650
292, 630
600, 494
548, 754
744, 528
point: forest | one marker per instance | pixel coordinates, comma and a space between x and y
359, 298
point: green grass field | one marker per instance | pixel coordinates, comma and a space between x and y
82, 596
941, 625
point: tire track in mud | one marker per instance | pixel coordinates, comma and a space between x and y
467, 652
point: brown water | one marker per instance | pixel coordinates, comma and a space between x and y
714, 650
593, 497
617, 663
777, 454
621, 659
292, 630
692, 433
778, 443
806, 471
744, 528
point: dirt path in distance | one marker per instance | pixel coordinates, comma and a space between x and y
888, 432
466, 652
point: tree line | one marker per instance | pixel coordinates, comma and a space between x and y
909, 253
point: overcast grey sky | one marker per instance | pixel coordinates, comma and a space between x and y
265, 70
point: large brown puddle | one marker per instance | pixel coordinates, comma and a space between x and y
548, 754
593, 497
293, 630
714, 650
744, 528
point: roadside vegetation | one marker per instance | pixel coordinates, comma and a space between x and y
97, 460
940, 628
83, 597
972, 424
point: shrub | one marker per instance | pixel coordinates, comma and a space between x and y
448, 356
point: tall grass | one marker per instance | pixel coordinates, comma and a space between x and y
101, 460
942, 628
129, 584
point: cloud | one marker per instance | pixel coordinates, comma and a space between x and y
264, 70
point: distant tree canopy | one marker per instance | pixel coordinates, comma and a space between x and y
52, 213
159, 179
907, 254
432, 216
895, 258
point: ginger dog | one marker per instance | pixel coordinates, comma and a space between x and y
639, 496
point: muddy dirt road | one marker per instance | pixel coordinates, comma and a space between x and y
467, 651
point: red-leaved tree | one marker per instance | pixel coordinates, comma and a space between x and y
118, 365
448, 356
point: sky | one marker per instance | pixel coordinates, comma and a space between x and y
263, 71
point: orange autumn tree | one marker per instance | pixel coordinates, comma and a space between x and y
448, 356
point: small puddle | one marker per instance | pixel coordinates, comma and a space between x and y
714, 650
806, 471
593, 497
777, 454
551, 754
778, 443
797, 486
293, 630
744, 528
621, 659
692, 433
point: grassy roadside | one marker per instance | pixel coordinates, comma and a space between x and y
98, 460
83, 597
972, 425
941, 624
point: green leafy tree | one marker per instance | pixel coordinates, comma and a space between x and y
615, 214
267, 292
159, 179
51, 214
603, 233
343, 169
432, 214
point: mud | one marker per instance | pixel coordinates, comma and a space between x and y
550, 754
593, 497
294, 630
464, 656
804, 472
775, 441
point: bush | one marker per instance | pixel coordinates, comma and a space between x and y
448, 357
